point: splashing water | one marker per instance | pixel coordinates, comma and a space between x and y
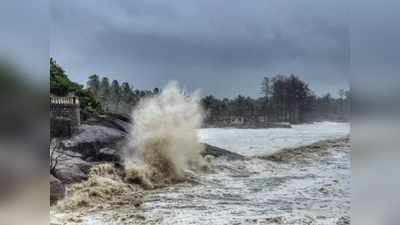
163, 140
103, 187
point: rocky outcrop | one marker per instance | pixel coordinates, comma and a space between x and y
90, 145
71, 169
114, 121
57, 190
90, 139
306, 154
219, 152
108, 155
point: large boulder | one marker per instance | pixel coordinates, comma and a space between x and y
90, 139
108, 155
219, 152
71, 169
115, 121
90, 145
57, 190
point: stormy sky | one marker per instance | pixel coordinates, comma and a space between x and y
222, 47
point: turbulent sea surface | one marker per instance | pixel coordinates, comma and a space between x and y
311, 188
252, 142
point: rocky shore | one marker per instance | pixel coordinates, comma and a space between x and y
305, 185
98, 142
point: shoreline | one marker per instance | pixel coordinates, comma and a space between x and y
301, 157
322, 145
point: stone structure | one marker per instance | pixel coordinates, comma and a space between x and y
64, 115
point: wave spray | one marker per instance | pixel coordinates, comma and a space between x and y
163, 140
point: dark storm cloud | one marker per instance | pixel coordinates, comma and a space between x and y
375, 48
222, 47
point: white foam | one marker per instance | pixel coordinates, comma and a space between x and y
251, 142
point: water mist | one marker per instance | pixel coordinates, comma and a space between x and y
163, 140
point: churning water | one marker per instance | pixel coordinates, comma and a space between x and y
165, 145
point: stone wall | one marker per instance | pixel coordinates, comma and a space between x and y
64, 115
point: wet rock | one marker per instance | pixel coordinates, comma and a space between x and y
108, 155
57, 190
219, 152
90, 145
115, 121
71, 170
305, 154
90, 139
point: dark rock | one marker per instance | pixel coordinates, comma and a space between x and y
114, 121
72, 169
219, 152
108, 155
91, 138
57, 190
88, 146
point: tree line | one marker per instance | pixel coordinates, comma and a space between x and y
284, 99
114, 97
100, 95
61, 85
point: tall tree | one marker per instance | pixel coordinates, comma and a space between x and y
212, 107
105, 84
239, 105
115, 90
60, 84
279, 97
266, 90
93, 84
104, 93
126, 99
126, 91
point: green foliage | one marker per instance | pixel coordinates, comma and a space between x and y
93, 84
116, 98
61, 85
285, 98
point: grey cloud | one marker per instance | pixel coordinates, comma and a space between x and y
203, 43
